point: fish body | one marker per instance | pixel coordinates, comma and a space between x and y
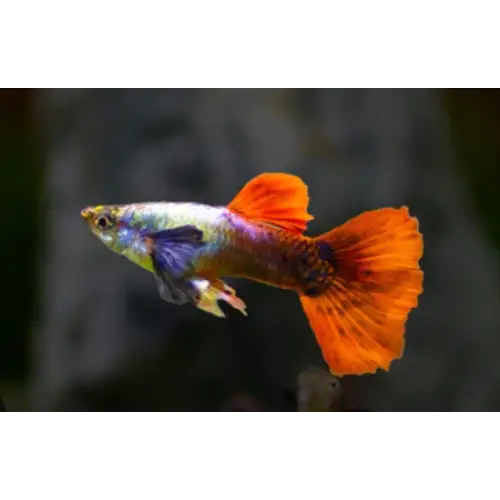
233, 246
140, 219
356, 283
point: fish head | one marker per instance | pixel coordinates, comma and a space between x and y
125, 229
107, 223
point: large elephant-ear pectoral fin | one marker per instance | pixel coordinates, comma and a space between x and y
172, 253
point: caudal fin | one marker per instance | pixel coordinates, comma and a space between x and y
359, 322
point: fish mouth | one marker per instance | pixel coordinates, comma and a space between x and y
87, 213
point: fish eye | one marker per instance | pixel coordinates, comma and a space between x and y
103, 222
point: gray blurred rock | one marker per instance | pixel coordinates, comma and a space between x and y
106, 340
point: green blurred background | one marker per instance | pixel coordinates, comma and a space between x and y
475, 133
21, 185
474, 124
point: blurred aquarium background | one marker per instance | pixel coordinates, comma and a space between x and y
85, 330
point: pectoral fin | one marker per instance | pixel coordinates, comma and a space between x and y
171, 292
172, 252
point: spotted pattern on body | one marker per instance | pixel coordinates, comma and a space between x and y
269, 255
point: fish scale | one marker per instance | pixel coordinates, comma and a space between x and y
267, 255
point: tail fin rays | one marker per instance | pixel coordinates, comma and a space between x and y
359, 321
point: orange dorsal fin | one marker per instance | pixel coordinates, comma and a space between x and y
274, 198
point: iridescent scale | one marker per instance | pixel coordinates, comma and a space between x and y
234, 247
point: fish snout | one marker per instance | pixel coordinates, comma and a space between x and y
87, 213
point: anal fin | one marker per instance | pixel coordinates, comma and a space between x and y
213, 291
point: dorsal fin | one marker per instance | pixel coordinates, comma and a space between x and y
274, 198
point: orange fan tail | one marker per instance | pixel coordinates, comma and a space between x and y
359, 321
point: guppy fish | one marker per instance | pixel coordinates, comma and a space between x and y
357, 283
